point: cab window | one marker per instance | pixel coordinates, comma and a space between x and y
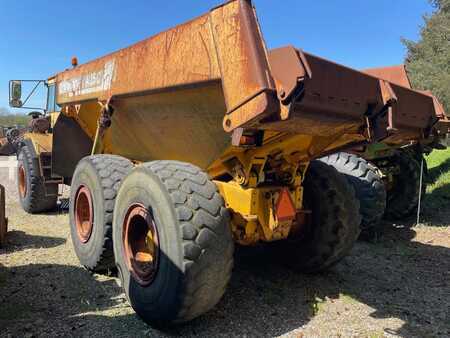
51, 99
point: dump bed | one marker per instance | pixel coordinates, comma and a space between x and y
398, 75
178, 94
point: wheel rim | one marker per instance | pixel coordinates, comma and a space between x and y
141, 244
22, 181
84, 214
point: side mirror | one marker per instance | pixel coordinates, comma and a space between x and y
15, 94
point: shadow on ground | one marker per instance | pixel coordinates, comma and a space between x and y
434, 173
434, 209
397, 278
19, 240
61, 208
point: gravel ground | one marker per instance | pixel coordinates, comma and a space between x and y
397, 287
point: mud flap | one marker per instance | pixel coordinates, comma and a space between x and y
70, 145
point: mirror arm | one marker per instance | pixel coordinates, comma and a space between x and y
31, 93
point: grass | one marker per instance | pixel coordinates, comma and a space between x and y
438, 190
13, 119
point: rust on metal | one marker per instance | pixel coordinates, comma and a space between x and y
393, 74
438, 107
84, 214
141, 244
331, 98
188, 55
338, 94
399, 76
22, 178
289, 69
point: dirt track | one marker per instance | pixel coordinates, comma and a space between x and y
399, 287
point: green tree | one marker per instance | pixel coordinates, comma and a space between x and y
428, 60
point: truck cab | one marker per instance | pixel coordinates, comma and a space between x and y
34, 150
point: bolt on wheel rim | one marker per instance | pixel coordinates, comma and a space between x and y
141, 244
84, 214
22, 181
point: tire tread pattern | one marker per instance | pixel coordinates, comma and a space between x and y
207, 241
37, 199
403, 201
368, 185
339, 218
111, 169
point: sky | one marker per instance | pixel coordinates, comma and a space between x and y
39, 38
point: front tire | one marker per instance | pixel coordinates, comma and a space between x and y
334, 224
34, 195
93, 191
183, 270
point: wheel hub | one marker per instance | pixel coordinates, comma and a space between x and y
84, 213
22, 181
141, 244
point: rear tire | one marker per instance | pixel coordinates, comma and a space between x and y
334, 223
34, 195
369, 188
403, 197
94, 188
189, 275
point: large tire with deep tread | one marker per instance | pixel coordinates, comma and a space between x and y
195, 241
102, 176
334, 224
403, 197
369, 188
35, 196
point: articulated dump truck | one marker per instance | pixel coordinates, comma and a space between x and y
186, 143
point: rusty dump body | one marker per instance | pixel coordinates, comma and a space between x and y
399, 76
179, 95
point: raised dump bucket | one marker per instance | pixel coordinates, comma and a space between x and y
177, 95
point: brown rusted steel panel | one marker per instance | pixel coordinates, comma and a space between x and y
393, 74
336, 97
333, 98
399, 76
182, 56
412, 109
247, 84
411, 104
223, 46
442, 127
438, 107
3, 219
